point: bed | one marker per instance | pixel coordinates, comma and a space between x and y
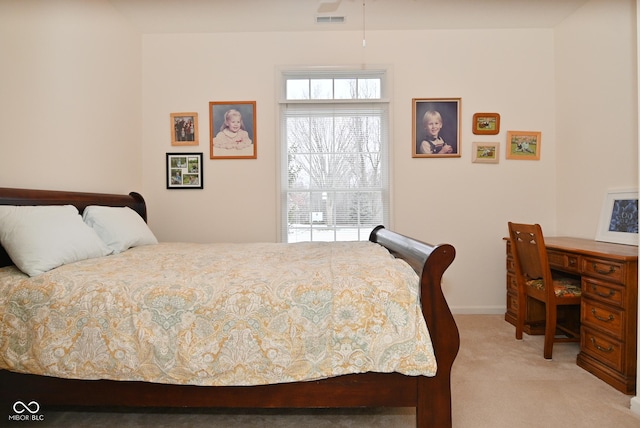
430, 395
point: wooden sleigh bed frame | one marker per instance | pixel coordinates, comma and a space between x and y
430, 396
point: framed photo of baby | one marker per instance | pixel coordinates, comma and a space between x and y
232, 129
436, 127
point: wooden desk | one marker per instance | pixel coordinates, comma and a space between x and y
609, 309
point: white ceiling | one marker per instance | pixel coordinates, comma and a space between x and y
207, 16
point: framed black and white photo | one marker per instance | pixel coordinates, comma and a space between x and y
619, 217
184, 171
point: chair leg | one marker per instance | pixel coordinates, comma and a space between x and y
550, 329
522, 315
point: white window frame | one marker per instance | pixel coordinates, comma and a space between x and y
381, 103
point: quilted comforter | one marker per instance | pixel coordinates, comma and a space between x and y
218, 314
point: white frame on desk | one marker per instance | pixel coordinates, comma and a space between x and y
613, 201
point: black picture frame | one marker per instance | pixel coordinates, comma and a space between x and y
184, 171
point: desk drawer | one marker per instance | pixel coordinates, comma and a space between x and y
510, 265
600, 268
564, 261
512, 284
604, 349
606, 292
609, 321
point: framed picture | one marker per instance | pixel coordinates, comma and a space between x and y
184, 129
184, 171
486, 123
523, 145
232, 130
619, 217
436, 127
486, 152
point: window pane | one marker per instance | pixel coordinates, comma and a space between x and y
369, 89
345, 89
298, 209
298, 171
297, 89
322, 89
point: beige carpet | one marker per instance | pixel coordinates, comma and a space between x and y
497, 382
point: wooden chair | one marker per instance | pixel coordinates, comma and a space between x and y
533, 275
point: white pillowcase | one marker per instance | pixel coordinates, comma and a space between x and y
40, 238
119, 227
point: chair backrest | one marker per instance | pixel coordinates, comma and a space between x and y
530, 253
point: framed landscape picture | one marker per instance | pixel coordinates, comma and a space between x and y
523, 145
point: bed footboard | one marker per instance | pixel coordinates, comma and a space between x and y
430, 262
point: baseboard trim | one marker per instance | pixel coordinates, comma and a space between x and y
635, 405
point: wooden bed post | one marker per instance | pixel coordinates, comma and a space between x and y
436, 411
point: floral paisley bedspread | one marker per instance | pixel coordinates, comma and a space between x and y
218, 314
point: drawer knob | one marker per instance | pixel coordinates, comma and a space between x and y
601, 348
603, 272
599, 318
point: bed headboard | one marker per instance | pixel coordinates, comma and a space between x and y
10, 196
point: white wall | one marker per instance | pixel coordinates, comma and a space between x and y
437, 200
597, 130
69, 97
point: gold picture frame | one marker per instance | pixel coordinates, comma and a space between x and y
228, 143
523, 145
448, 112
184, 129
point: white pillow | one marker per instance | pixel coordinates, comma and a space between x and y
40, 238
119, 227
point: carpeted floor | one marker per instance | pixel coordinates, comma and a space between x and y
497, 382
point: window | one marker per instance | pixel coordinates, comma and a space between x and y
334, 167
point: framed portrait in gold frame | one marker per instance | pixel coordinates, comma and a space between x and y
436, 127
232, 130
